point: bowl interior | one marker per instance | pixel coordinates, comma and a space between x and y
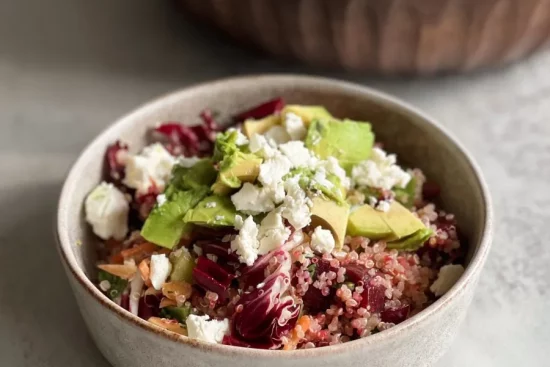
404, 131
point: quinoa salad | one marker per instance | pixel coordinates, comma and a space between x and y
285, 228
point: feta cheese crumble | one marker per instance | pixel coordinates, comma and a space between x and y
296, 205
272, 233
160, 270
202, 328
246, 242
331, 165
447, 277
107, 210
278, 134
210, 204
273, 170
320, 177
253, 200
161, 199
383, 206
241, 138
380, 171
295, 126
260, 145
322, 240
298, 154
153, 166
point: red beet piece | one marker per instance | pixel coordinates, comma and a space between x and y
148, 306
212, 277
262, 110
218, 248
373, 297
396, 315
180, 137
357, 273
113, 168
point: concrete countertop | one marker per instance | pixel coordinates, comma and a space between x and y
70, 67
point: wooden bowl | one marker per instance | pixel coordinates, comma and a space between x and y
386, 36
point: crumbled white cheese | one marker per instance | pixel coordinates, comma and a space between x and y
272, 171
298, 154
219, 218
210, 204
198, 250
331, 165
372, 201
447, 277
238, 221
260, 145
295, 126
296, 205
241, 138
187, 162
383, 206
161, 199
152, 166
246, 242
322, 240
253, 200
202, 328
380, 171
272, 233
278, 134
160, 270
320, 177
107, 211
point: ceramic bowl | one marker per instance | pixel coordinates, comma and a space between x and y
126, 340
385, 37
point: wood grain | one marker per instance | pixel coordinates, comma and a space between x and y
386, 37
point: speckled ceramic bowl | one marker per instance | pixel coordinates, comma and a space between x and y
126, 340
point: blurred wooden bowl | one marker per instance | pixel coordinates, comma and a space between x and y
386, 36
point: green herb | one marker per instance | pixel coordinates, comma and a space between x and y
311, 270
118, 285
178, 313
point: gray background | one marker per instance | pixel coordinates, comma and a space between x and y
70, 67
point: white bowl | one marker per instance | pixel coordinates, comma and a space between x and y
127, 340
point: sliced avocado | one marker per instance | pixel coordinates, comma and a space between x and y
307, 113
251, 127
236, 169
212, 211
406, 195
348, 141
164, 226
201, 174
367, 222
401, 221
412, 242
332, 216
395, 224
182, 265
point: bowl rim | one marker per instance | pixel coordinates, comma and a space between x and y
476, 262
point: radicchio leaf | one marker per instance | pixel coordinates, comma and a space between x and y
261, 110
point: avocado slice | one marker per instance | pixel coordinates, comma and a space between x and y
332, 216
307, 113
212, 211
401, 221
412, 242
199, 175
365, 221
236, 169
348, 141
164, 226
251, 126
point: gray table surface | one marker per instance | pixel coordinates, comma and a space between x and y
70, 67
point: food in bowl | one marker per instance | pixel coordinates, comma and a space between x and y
288, 229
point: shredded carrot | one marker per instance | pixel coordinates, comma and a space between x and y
145, 271
139, 252
123, 271
304, 323
166, 302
